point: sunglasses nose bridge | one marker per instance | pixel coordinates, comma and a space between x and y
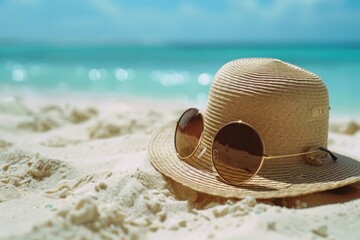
202, 151
202, 148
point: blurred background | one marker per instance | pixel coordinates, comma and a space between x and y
172, 49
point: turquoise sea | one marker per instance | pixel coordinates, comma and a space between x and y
181, 71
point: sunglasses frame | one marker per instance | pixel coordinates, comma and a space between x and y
264, 156
199, 142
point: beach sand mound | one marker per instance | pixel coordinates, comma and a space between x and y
79, 170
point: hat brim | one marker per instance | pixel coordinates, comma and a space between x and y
275, 180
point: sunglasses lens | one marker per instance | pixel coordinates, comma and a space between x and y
188, 132
237, 153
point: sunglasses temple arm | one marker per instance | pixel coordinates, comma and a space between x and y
333, 156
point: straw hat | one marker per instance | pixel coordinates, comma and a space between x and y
288, 106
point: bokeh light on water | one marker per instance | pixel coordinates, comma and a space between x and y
167, 71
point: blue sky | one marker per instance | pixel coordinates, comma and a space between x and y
152, 21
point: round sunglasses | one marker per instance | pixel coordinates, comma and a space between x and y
237, 148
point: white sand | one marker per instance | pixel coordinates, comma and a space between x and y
76, 168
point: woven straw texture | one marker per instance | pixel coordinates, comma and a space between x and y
288, 106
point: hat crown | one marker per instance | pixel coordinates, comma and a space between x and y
286, 104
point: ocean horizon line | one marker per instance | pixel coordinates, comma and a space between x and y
186, 44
